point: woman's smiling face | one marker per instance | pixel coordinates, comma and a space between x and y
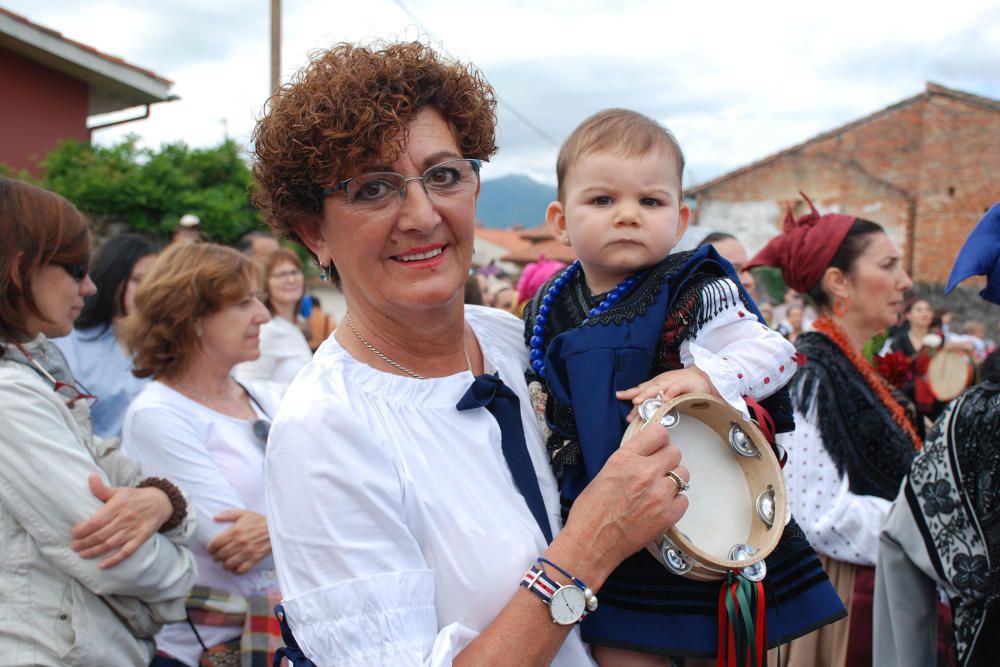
413, 256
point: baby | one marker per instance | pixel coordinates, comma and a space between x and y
629, 321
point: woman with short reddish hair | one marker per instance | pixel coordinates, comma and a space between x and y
197, 314
90, 565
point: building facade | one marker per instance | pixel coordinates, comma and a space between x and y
926, 169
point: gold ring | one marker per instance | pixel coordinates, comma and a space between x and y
682, 486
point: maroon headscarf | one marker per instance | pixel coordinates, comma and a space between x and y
805, 247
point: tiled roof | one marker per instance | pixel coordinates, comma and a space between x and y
527, 245
100, 54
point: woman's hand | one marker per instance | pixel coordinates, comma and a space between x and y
690, 380
129, 517
629, 504
242, 545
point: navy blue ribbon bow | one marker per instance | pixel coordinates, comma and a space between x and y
489, 391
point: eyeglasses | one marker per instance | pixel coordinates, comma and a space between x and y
76, 271
290, 273
377, 191
73, 392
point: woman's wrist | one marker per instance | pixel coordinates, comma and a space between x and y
584, 558
175, 500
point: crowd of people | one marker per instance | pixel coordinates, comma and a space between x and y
439, 477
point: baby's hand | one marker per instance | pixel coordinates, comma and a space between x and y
691, 380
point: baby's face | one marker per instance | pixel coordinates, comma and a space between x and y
621, 214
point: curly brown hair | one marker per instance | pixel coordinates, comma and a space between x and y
352, 106
186, 282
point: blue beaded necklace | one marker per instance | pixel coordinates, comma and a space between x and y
537, 342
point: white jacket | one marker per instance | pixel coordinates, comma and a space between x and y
57, 608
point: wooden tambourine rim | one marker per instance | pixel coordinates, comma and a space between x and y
934, 369
708, 567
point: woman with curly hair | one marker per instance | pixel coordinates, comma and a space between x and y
408, 488
197, 314
92, 555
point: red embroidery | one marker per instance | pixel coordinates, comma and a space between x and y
742, 314
781, 369
739, 375
767, 380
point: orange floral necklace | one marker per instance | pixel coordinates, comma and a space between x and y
825, 325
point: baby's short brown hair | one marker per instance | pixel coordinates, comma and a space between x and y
621, 131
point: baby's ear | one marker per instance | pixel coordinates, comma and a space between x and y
683, 218
555, 220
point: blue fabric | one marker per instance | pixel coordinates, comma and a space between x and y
100, 365
643, 606
980, 256
489, 391
291, 650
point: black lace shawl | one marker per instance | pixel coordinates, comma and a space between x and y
954, 494
857, 429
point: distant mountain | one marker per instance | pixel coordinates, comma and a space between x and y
513, 200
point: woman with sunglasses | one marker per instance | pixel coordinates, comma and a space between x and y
197, 314
91, 562
283, 347
96, 349
415, 516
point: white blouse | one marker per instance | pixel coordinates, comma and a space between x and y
741, 355
284, 351
397, 530
838, 523
219, 462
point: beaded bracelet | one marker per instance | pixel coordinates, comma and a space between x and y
589, 594
175, 497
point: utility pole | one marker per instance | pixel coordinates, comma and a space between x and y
275, 45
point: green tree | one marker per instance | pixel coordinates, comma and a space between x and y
148, 190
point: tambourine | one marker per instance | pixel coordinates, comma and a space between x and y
949, 374
738, 506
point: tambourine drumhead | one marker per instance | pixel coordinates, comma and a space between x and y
725, 486
949, 373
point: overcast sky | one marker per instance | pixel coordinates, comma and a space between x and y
735, 81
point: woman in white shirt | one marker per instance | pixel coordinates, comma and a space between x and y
197, 314
855, 434
283, 347
403, 513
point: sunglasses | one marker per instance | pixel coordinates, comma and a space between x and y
76, 271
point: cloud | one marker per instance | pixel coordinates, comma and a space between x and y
734, 81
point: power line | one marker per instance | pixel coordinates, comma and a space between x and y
504, 103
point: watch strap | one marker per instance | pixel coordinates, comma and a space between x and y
542, 585
539, 583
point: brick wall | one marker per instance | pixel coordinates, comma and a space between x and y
959, 179
926, 169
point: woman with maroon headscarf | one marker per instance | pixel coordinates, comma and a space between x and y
854, 436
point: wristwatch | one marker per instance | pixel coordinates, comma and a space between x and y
567, 604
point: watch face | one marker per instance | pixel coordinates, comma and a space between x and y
567, 605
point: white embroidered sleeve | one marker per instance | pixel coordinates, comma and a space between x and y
838, 523
742, 356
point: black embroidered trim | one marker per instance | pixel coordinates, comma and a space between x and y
857, 429
703, 297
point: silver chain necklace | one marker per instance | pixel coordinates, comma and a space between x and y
386, 359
